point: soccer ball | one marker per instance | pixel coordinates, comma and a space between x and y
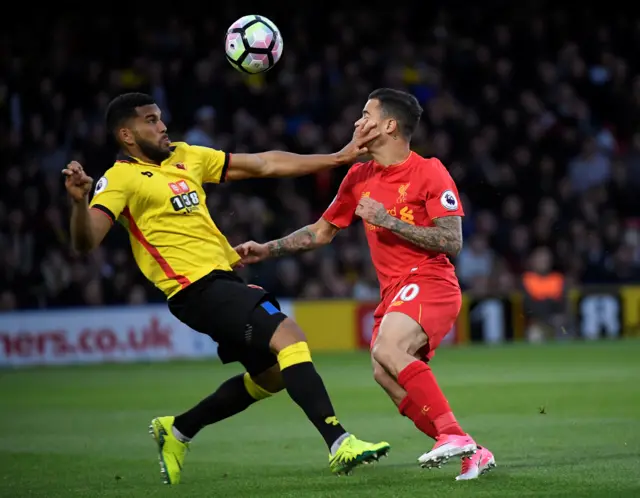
253, 44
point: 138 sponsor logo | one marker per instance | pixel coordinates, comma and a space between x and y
185, 200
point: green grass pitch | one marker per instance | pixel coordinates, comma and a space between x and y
562, 420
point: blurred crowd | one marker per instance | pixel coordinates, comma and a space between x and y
535, 111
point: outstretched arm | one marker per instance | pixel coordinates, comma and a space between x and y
276, 164
310, 237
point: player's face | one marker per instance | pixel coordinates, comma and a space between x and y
150, 133
372, 112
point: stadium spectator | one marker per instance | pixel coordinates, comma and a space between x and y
545, 297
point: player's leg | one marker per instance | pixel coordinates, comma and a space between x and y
481, 462
401, 337
395, 391
438, 318
245, 319
395, 347
261, 380
307, 390
214, 306
432, 318
403, 402
388, 384
173, 434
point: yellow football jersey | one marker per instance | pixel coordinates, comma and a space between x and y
174, 240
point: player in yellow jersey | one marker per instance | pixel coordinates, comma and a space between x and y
155, 190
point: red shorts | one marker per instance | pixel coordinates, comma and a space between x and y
434, 307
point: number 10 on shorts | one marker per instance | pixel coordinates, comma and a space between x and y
408, 293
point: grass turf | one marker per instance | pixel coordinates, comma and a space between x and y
82, 431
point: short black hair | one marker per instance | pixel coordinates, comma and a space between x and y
400, 105
123, 107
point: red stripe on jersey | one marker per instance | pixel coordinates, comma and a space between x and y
93, 208
153, 251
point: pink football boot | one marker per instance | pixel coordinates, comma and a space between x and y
448, 446
480, 463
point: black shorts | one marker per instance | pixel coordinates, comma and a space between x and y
240, 318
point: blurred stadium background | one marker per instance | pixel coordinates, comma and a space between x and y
535, 110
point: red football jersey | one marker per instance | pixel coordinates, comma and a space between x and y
416, 191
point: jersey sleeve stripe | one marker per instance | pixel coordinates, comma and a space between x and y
106, 211
153, 251
225, 167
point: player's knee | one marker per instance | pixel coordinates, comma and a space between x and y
287, 334
270, 380
386, 354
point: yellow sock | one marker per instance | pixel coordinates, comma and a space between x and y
255, 391
306, 389
293, 355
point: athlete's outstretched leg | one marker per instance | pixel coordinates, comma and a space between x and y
173, 434
232, 397
306, 388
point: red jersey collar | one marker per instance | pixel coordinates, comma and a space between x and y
393, 166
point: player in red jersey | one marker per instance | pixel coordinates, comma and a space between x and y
413, 221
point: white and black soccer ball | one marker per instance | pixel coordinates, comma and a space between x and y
253, 44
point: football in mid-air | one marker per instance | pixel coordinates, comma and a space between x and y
253, 44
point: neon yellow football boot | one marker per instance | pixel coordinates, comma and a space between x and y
353, 452
171, 451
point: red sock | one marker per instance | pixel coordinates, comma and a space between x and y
421, 421
423, 390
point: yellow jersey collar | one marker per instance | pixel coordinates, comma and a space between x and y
124, 158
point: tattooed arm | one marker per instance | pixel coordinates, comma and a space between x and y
445, 237
310, 237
